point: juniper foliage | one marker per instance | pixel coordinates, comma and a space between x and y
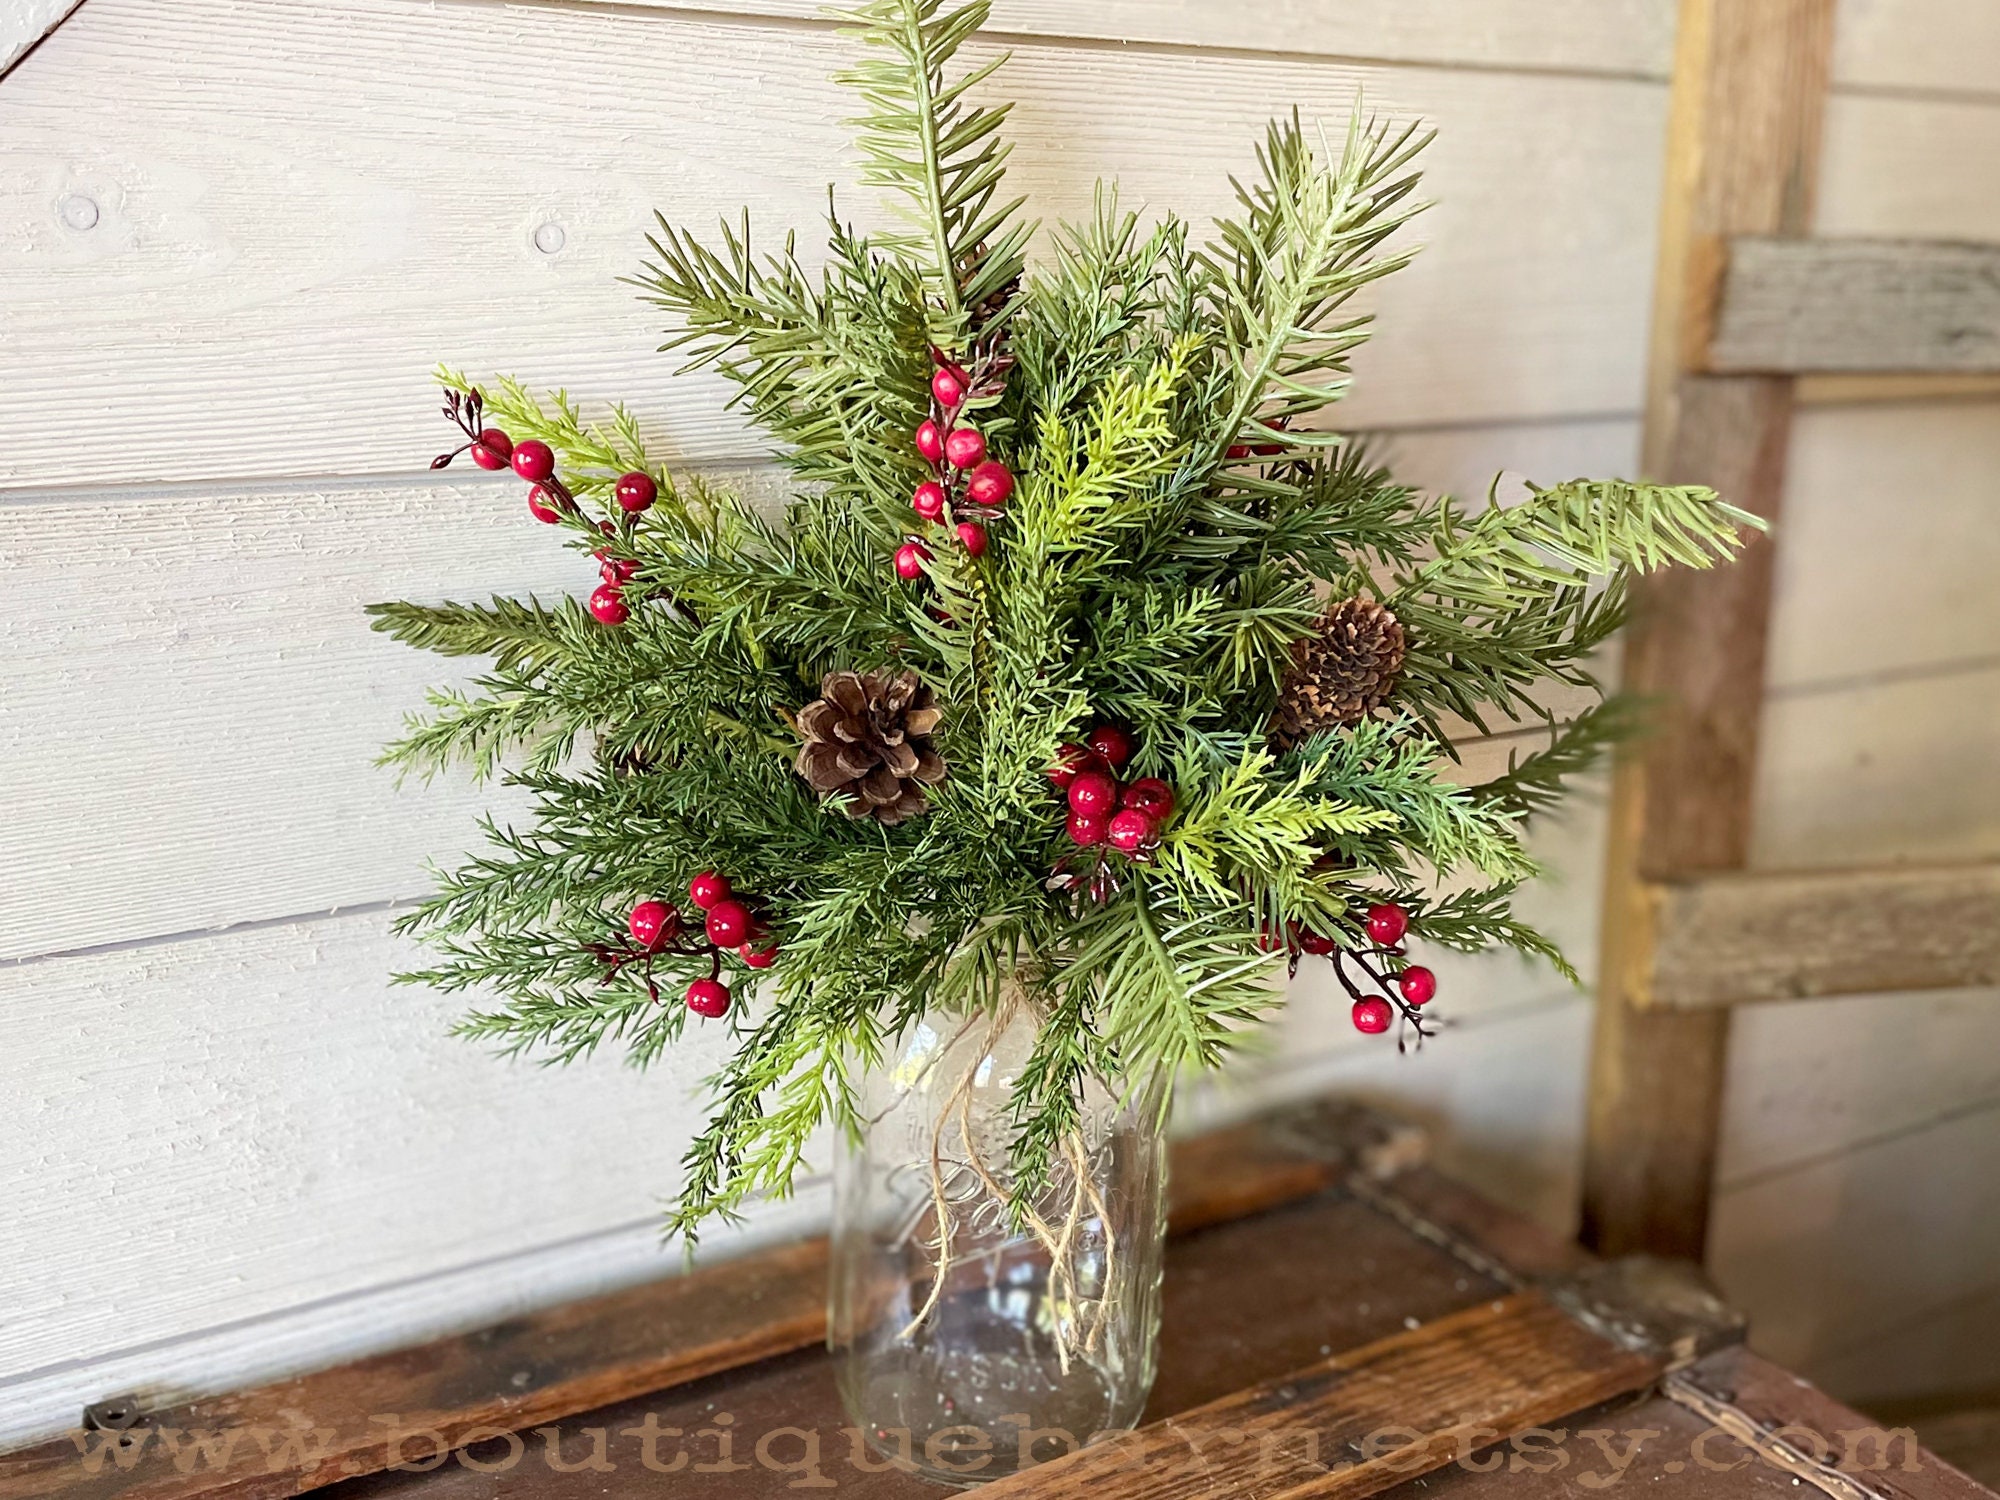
1179, 521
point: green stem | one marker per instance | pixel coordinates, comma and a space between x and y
920, 76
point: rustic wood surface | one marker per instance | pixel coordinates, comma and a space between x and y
1743, 158
1245, 1301
1796, 307
583, 1354
1735, 939
1362, 1422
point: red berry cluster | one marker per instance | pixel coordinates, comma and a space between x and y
549, 499
1406, 989
657, 927
967, 489
1103, 813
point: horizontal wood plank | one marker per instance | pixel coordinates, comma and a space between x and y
1739, 939
311, 277
1365, 1421
1598, 36
1800, 307
24, 23
1918, 47
1871, 1269
550, 1364
1825, 1078
234, 704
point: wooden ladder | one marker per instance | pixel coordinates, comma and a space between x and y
1747, 305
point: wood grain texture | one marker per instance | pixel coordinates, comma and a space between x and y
1596, 36
24, 23
1918, 46
1871, 1268
1402, 1407
1796, 1428
1777, 935
546, 1365
1819, 1079
1245, 1301
1882, 771
1883, 504
312, 275
1743, 144
1798, 307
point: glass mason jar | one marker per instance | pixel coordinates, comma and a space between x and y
1029, 1339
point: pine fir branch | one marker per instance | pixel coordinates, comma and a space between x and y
1536, 784
1475, 920
923, 138
520, 635
1556, 538
1282, 272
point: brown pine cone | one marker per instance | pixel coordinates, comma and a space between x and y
1342, 673
867, 739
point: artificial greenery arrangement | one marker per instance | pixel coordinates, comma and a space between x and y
1086, 664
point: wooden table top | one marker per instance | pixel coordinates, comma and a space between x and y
1341, 1321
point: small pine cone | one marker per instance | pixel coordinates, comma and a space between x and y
1342, 673
867, 739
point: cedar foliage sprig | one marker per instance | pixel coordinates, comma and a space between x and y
1181, 514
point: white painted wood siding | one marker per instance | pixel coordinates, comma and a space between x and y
238, 1151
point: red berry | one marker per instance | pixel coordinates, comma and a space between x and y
542, 506
1372, 1015
910, 560
1133, 830
1085, 832
1419, 985
1093, 794
930, 440
708, 997
991, 483
607, 605
758, 958
1316, 943
1111, 742
1152, 796
493, 449
928, 502
972, 536
533, 461
636, 491
965, 448
619, 570
651, 923
948, 385
1386, 924
708, 888
729, 924
1070, 760
1271, 940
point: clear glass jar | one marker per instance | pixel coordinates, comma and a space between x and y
1032, 1339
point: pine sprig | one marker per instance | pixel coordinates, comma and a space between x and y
924, 138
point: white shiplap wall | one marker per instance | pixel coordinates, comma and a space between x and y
230, 1152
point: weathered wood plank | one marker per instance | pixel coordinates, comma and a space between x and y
311, 276
547, 1365
1794, 1428
1364, 1421
24, 23
1625, 37
1743, 158
1777, 935
1799, 307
